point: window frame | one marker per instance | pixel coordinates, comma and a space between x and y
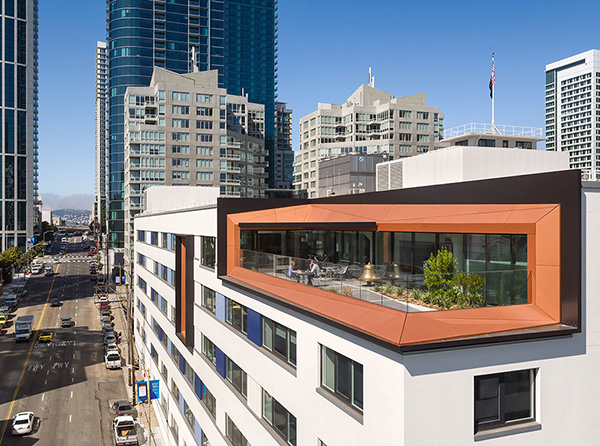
268, 402
208, 260
353, 369
290, 340
501, 396
242, 387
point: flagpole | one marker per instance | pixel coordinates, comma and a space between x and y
493, 129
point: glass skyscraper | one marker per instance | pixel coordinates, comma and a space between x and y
236, 37
19, 120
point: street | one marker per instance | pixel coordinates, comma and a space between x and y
64, 382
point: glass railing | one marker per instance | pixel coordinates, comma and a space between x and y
395, 286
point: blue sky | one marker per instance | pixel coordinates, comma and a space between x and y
441, 48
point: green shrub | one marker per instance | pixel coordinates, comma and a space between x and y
389, 288
468, 286
439, 278
378, 288
332, 289
400, 291
347, 291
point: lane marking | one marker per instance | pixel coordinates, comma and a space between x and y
43, 394
69, 418
45, 382
73, 370
16, 392
71, 394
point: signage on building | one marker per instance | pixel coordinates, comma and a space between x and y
142, 391
154, 389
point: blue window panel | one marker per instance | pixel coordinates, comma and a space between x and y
181, 408
152, 238
220, 357
255, 327
160, 333
197, 432
169, 347
198, 386
181, 363
220, 304
169, 242
152, 351
152, 322
170, 274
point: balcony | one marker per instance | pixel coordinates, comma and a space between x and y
402, 287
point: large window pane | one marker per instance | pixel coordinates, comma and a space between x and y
518, 395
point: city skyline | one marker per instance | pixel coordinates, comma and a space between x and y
315, 69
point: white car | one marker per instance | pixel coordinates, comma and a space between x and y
102, 299
23, 423
55, 260
112, 347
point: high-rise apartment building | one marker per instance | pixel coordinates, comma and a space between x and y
235, 37
101, 78
184, 130
19, 121
573, 111
371, 121
283, 153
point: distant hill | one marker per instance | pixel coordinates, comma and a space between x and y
64, 212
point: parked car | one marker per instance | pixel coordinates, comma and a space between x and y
66, 321
110, 338
102, 298
112, 347
125, 431
106, 312
45, 336
23, 423
20, 292
5, 310
122, 408
112, 360
3, 321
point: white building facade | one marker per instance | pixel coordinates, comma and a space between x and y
245, 356
100, 117
573, 111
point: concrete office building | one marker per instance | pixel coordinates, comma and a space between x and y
283, 154
184, 130
19, 121
251, 356
371, 121
100, 119
573, 111
236, 37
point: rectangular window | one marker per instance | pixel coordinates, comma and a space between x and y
181, 123
180, 175
504, 398
209, 350
205, 98
201, 137
181, 109
236, 315
208, 299
233, 433
342, 376
204, 163
280, 340
204, 111
277, 416
180, 136
180, 162
181, 149
204, 151
204, 176
236, 376
208, 252
205, 125
180, 96
209, 401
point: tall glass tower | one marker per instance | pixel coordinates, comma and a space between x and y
235, 37
18, 120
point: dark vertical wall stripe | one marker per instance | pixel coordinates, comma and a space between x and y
220, 357
255, 327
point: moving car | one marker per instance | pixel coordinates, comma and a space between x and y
101, 281
45, 336
66, 321
48, 271
36, 269
23, 423
55, 302
122, 408
20, 292
93, 277
55, 260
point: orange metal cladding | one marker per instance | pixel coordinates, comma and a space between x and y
540, 222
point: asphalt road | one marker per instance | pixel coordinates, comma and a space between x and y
64, 382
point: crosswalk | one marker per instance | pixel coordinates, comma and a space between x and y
75, 258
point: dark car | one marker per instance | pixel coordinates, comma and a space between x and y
123, 408
93, 277
55, 302
20, 292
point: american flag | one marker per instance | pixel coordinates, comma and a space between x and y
493, 78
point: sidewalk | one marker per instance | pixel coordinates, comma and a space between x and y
146, 414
